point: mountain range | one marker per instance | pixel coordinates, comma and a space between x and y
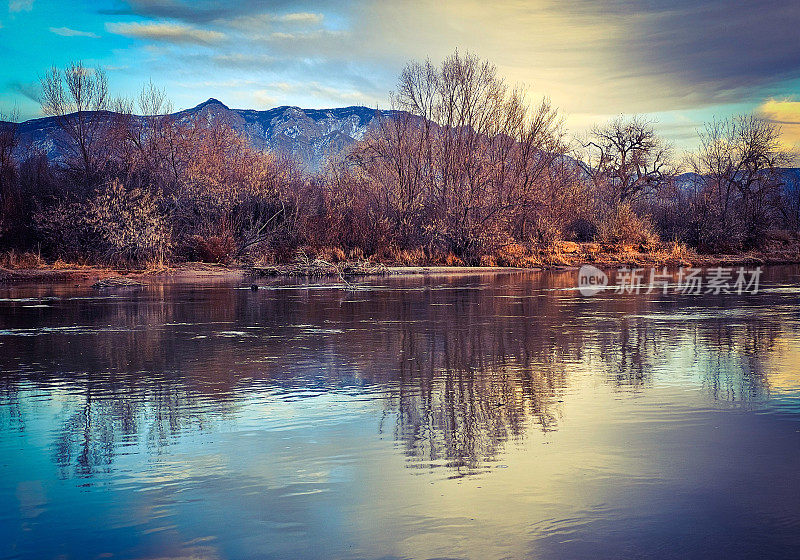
310, 136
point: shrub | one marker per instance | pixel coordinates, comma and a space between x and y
65, 230
215, 248
623, 225
129, 225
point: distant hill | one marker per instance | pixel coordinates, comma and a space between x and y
790, 177
309, 135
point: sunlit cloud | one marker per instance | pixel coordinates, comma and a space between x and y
785, 113
324, 92
166, 32
67, 32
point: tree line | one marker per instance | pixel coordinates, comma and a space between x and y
466, 167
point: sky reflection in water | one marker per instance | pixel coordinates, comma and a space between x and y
473, 416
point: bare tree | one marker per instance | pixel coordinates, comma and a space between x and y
155, 146
739, 182
77, 97
9, 172
625, 160
460, 162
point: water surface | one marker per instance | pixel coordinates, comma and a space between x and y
469, 416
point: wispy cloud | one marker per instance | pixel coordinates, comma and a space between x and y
257, 24
28, 90
166, 32
302, 17
206, 11
319, 91
243, 60
315, 35
20, 5
67, 32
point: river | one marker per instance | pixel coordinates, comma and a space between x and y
452, 416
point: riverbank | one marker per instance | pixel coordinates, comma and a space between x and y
566, 255
102, 277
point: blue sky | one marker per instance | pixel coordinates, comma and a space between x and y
679, 62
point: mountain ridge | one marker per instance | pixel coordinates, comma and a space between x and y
311, 136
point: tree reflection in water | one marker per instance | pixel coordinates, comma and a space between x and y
463, 364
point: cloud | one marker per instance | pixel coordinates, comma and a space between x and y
247, 61
319, 91
175, 33
781, 112
786, 114
721, 51
232, 83
316, 36
67, 32
28, 90
301, 17
258, 24
20, 5
618, 56
594, 59
199, 12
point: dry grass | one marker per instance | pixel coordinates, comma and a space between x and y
451, 260
315, 267
488, 260
355, 254
21, 260
155, 266
61, 264
329, 254
393, 255
517, 255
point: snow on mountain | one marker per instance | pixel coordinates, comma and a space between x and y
309, 135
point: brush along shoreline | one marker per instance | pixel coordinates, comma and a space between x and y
566, 257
